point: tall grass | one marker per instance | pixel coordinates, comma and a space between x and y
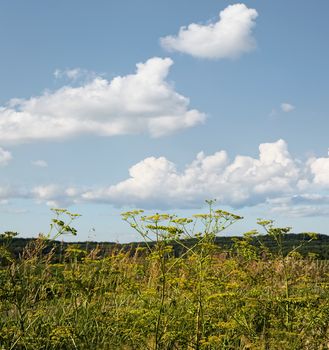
150, 298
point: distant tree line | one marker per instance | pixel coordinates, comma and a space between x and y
318, 248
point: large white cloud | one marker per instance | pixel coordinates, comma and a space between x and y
229, 37
274, 179
143, 102
244, 181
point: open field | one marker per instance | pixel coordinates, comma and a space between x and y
242, 296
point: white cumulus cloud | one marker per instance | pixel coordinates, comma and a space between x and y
273, 179
229, 37
241, 182
143, 102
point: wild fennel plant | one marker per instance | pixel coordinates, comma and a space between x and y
178, 290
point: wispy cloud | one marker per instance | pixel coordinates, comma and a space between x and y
143, 102
75, 74
56, 196
229, 37
40, 163
284, 107
5, 157
304, 205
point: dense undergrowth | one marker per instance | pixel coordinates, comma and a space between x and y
244, 297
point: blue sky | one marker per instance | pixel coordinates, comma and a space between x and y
107, 106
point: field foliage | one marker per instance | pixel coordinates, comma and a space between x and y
205, 297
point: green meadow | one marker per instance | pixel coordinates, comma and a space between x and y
178, 289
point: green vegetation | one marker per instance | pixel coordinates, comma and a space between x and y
183, 288
318, 248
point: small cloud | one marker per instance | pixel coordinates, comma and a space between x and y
74, 74
40, 163
287, 107
229, 37
319, 168
54, 195
5, 157
272, 114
